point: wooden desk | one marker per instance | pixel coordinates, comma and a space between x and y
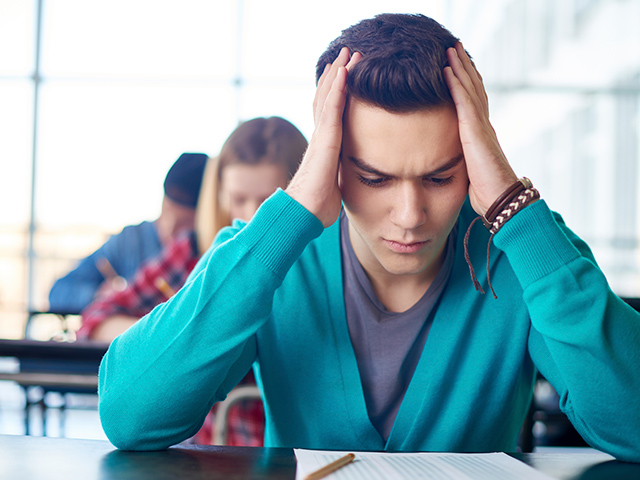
55, 367
47, 458
56, 358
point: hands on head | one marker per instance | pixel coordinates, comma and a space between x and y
315, 185
489, 171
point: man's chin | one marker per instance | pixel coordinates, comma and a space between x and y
405, 268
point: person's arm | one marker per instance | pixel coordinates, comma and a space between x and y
116, 260
157, 280
584, 339
111, 327
160, 378
111, 314
76, 289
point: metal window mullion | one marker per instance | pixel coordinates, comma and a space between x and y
31, 254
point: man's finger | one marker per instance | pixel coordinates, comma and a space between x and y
474, 75
321, 81
330, 117
355, 58
329, 75
324, 75
463, 78
459, 93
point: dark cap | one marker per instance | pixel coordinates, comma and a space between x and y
182, 183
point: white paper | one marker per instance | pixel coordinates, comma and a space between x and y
436, 466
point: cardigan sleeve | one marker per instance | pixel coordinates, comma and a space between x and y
584, 339
159, 379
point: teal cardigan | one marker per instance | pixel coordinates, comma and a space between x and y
269, 295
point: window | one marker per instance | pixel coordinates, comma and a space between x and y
98, 99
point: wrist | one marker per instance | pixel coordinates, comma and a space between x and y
517, 196
325, 206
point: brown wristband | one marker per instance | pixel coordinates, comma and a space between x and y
514, 199
517, 204
503, 200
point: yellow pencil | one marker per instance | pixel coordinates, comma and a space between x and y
163, 286
106, 269
332, 467
109, 273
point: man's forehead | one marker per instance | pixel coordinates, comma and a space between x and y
388, 166
420, 142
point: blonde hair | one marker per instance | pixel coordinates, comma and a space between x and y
209, 216
273, 140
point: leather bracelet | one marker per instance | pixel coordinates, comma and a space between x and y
517, 204
514, 199
503, 200
493, 210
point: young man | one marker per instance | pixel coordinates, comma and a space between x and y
117, 261
363, 327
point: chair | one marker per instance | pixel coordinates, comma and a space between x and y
237, 395
633, 303
51, 366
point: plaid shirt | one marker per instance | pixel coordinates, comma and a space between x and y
245, 422
173, 265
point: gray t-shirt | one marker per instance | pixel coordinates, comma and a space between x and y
387, 344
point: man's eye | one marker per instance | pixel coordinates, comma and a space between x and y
373, 182
438, 182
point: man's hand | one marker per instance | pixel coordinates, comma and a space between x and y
315, 184
110, 286
489, 171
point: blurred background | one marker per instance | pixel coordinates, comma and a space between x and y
98, 98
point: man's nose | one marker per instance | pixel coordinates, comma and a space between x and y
409, 208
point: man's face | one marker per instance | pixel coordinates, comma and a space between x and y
174, 218
403, 181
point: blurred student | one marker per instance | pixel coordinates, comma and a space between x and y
116, 262
260, 156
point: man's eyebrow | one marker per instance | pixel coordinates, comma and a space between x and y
362, 165
447, 166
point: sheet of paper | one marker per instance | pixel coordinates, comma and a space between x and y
436, 466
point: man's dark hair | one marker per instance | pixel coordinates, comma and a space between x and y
403, 56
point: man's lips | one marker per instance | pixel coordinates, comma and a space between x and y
401, 247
